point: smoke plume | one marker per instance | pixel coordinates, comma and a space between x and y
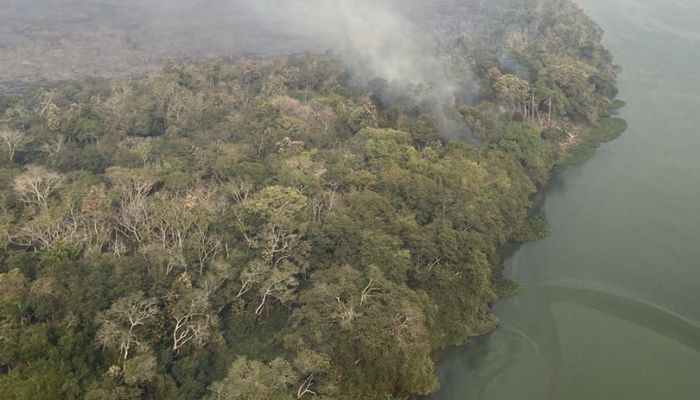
399, 41
377, 39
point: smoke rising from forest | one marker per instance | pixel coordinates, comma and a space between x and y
374, 37
389, 39
377, 39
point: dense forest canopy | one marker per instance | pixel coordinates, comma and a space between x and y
275, 229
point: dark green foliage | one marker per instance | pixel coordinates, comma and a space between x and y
527, 145
506, 288
535, 227
617, 104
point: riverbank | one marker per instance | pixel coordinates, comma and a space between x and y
609, 307
584, 148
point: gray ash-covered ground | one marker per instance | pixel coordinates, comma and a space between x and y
50, 40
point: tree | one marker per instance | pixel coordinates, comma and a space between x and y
132, 188
280, 283
311, 366
47, 298
46, 227
253, 380
527, 145
377, 323
96, 214
55, 146
514, 91
36, 184
221, 160
13, 287
273, 222
184, 224
192, 317
50, 110
121, 326
141, 148
140, 369
14, 140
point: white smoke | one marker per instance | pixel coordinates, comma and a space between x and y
375, 39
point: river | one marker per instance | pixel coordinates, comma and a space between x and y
611, 300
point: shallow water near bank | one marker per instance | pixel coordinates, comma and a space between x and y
611, 300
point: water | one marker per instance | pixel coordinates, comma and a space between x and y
611, 307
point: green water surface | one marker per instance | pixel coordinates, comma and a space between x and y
611, 300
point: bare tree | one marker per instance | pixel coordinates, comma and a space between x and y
305, 387
118, 325
279, 241
36, 184
49, 109
43, 230
55, 146
192, 319
324, 203
253, 274
280, 284
95, 216
133, 187
14, 140
185, 223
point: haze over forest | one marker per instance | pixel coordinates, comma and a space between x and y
119, 38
